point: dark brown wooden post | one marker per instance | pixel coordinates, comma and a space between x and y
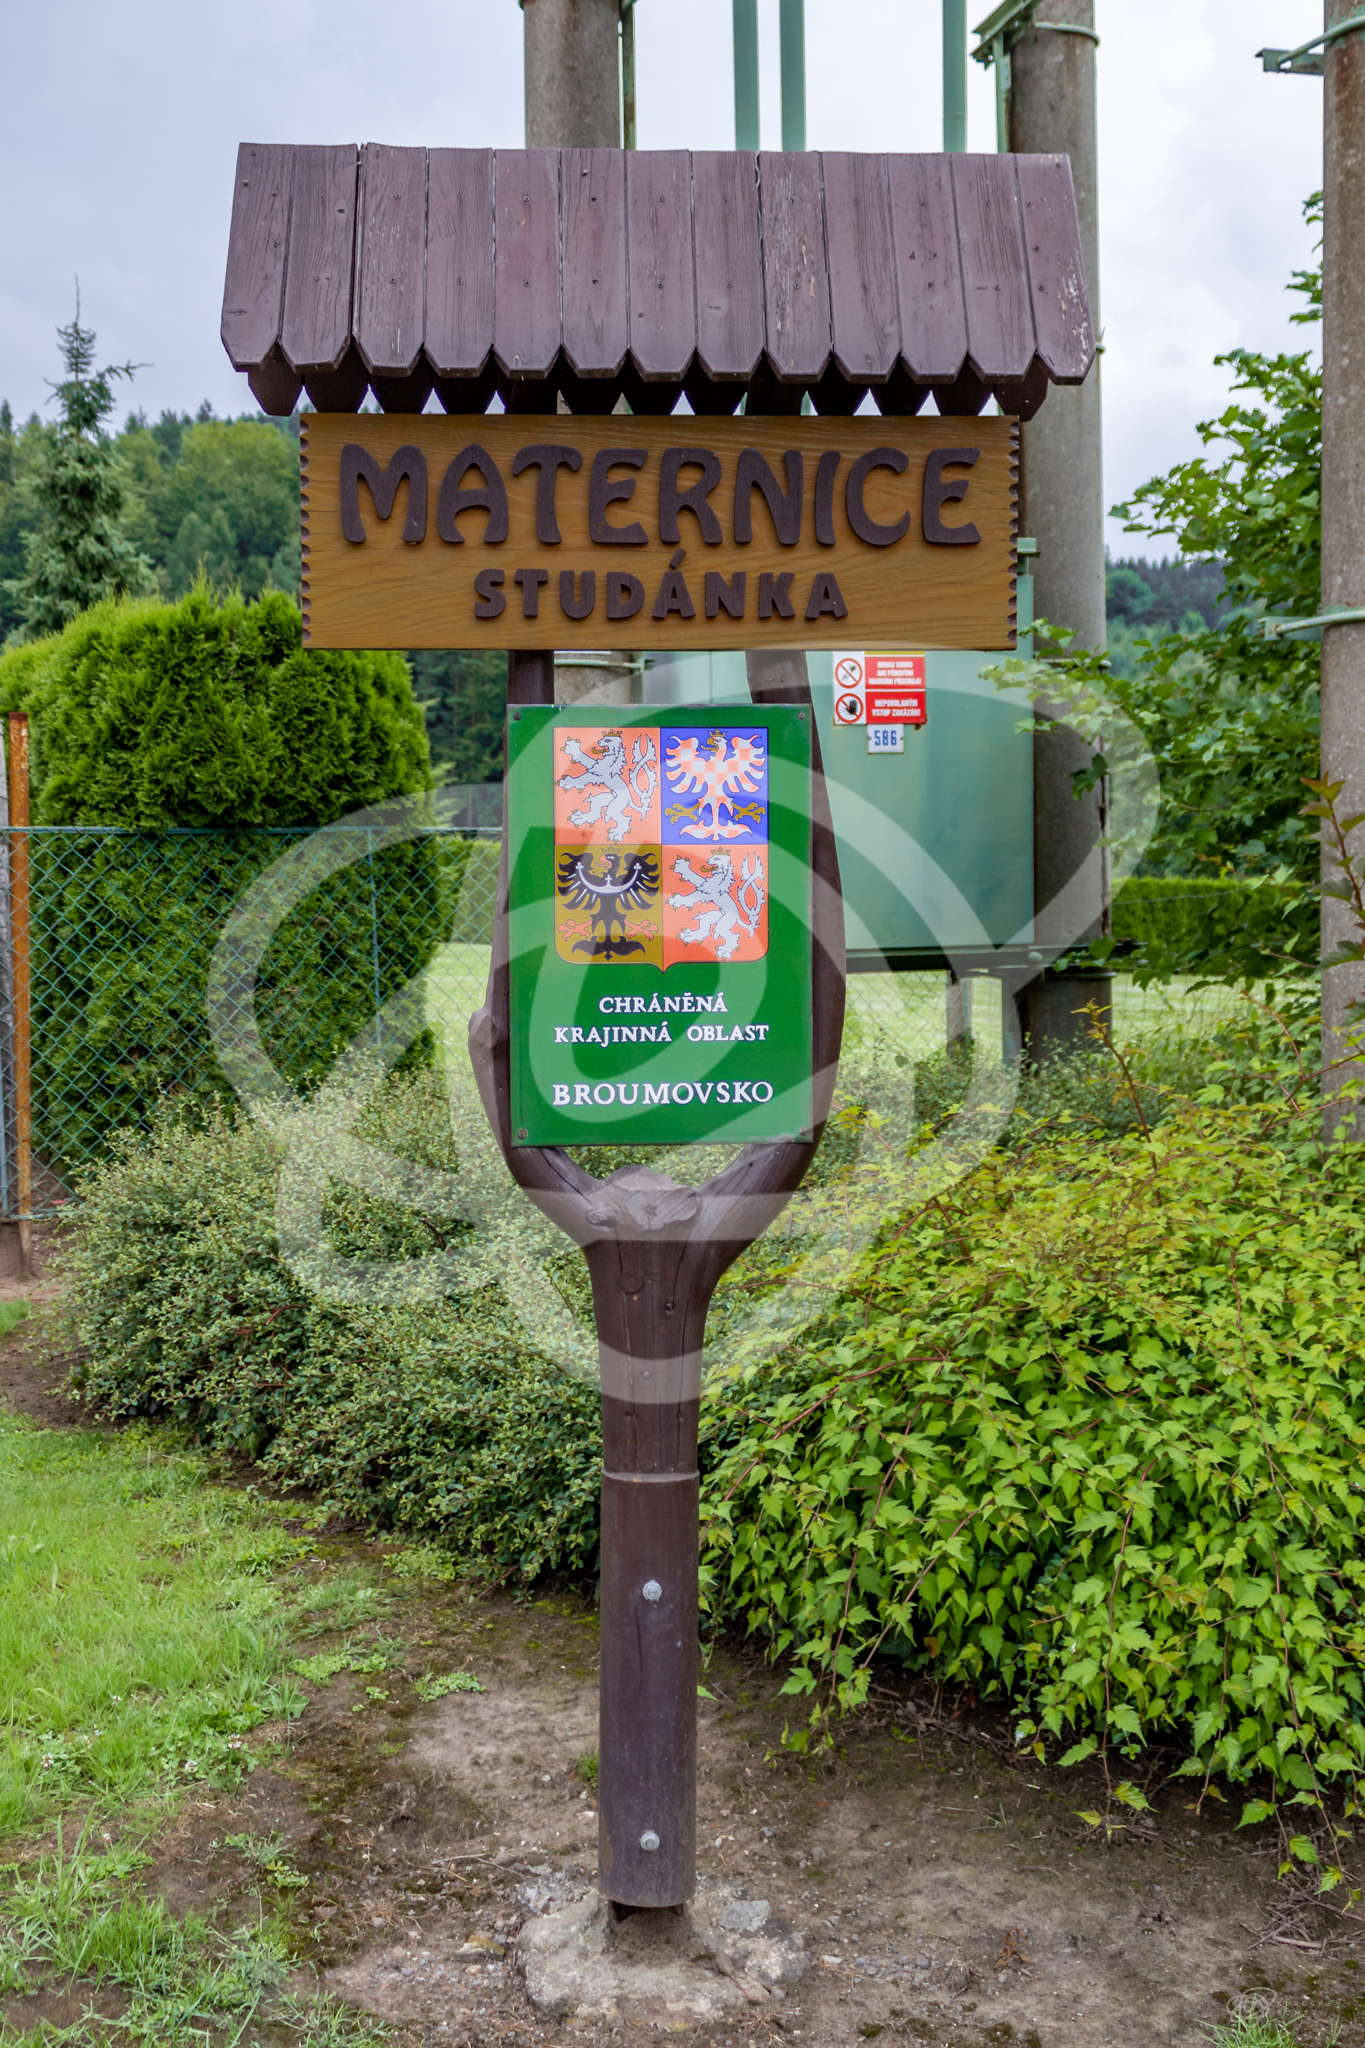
531, 677
655, 1250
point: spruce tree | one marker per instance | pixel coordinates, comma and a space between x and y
80, 552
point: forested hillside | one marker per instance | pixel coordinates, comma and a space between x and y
221, 497
1164, 594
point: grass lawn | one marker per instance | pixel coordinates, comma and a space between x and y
184, 1849
141, 1635
145, 1631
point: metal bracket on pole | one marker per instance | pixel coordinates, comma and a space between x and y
1308, 60
1011, 18
1341, 615
997, 33
1026, 551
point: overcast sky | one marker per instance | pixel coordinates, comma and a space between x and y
122, 122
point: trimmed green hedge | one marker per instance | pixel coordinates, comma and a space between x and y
207, 715
1218, 925
210, 712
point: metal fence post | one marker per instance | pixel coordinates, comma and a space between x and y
955, 75
746, 73
374, 944
792, 29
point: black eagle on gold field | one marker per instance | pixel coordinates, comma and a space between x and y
607, 885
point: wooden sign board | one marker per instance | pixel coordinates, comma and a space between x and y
660, 924
579, 531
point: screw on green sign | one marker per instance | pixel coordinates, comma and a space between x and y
660, 925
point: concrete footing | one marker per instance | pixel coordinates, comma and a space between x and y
717, 1956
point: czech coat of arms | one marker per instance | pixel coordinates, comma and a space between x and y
650, 870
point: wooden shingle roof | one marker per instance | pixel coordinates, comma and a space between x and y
602, 273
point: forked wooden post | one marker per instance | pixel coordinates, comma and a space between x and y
655, 1251
590, 276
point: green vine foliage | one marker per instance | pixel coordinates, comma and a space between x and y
1231, 717
1087, 1434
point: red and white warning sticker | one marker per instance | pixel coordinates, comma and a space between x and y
880, 689
850, 705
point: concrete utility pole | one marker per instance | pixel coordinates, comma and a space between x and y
573, 74
1343, 474
573, 101
1052, 110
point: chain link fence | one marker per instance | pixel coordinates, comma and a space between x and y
121, 931
112, 937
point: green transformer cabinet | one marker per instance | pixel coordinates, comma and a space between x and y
935, 843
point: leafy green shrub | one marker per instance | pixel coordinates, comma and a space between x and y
437, 1417
199, 719
1090, 1087
177, 1293
1088, 1434
441, 1418
1216, 924
1233, 718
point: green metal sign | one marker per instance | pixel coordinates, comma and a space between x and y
660, 924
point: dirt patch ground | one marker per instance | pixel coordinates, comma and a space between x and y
947, 1891
947, 1894
27, 1378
